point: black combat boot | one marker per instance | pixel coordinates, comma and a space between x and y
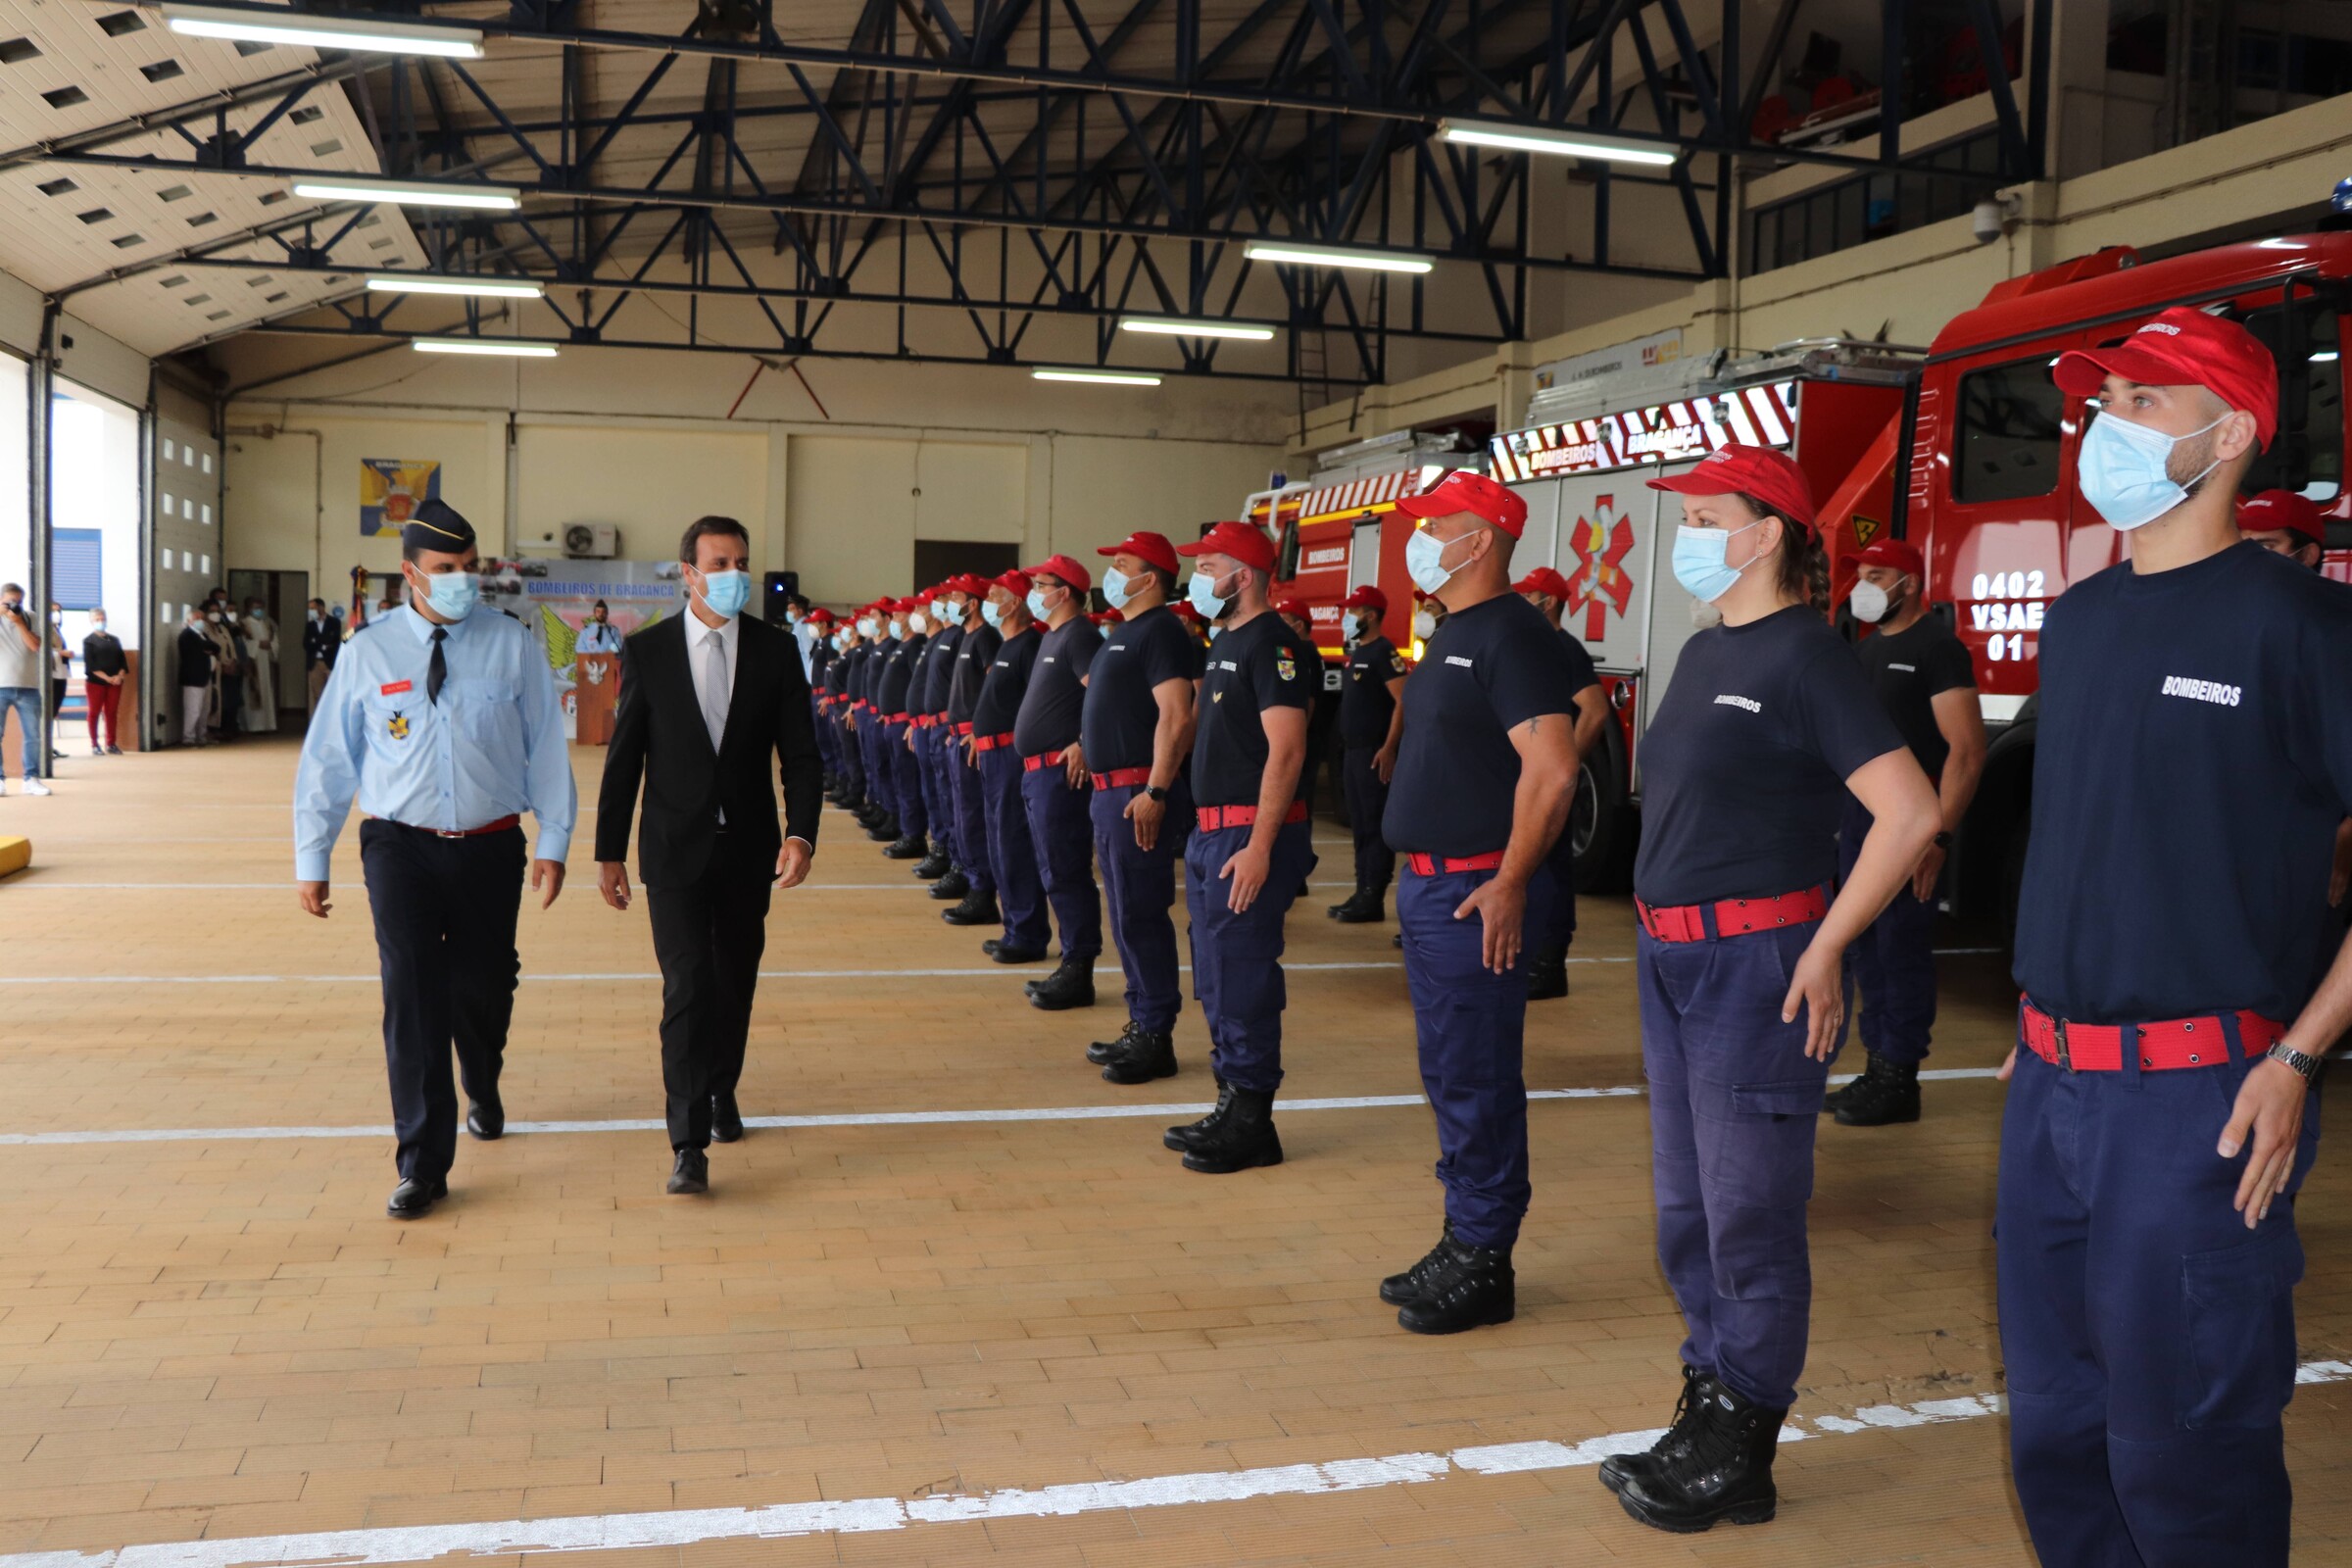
1140, 1055
1243, 1139
1470, 1288
1005, 952
977, 908
1619, 1468
1100, 1052
1720, 1471
906, 847
1399, 1288
952, 886
1547, 973
1887, 1092
1070, 985
1363, 907
935, 865
1183, 1136
885, 831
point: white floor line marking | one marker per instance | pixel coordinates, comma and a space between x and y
677, 1528
1033, 971
876, 1118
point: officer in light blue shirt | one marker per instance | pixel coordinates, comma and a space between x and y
443, 724
598, 634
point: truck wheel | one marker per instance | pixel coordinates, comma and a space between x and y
1602, 824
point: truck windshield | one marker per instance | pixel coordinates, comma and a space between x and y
2006, 446
2309, 455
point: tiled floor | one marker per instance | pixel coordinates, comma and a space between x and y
221, 1336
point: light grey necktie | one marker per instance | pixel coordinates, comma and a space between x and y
715, 687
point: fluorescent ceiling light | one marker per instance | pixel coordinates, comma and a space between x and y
1046, 372
324, 33
516, 348
409, 193
1177, 326
1559, 143
1332, 256
505, 288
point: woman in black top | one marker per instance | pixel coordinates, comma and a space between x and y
1766, 726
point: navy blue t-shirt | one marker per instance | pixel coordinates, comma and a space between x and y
1006, 683
897, 674
1136, 658
1909, 670
939, 670
860, 677
1488, 670
974, 653
1744, 769
1364, 701
1056, 697
1258, 664
2193, 758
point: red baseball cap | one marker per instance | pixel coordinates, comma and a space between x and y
1292, 605
1474, 493
1367, 598
1543, 580
1151, 547
2185, 346
969, 582
1737, 469
1107, 618
2282, 512
1069, 571
1186, 612
1899, 553
821, 613
1014, 582
1245, 542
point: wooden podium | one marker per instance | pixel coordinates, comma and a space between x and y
596, 689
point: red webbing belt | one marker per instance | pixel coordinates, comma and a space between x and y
2162, 1046
1431, 864
989, 743
1209, 818
1119, 779
1041, 762
1687, 922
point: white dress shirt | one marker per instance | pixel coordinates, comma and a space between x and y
699, 638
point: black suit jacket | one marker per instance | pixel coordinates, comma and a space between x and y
659, 737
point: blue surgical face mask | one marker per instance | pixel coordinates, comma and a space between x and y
990, 614
1117, 588
726, 592
1699, 561
1037, 602
1202, 590
898, 629
2125, 470
453, 593
1351, 625
1425, 560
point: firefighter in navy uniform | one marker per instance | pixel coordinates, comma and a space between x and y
940, 867
2194, 761
1485, 772
443, 726
975, 653
873, 723
1371, 721
892, 693
1136, 730
1927, 684
1054, 783
1251, 848
2285, 525
1767, 726
1012, 853
1547, 964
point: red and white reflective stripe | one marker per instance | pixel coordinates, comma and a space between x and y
1358, 494
1684, 427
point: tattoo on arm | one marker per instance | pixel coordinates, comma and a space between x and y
1533, 723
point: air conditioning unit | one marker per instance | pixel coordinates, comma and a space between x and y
591, 541
545, 542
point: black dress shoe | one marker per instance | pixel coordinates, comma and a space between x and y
1072, 985
1003, 954
977, 908
934, 866
1361, 908
951, 886
726, 1120
414, 1199
486, 1120
906, 847
691, 1174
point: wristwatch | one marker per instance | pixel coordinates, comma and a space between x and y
2307, 1066
1157, 791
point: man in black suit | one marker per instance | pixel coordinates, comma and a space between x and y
706, 699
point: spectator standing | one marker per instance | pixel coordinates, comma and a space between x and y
197, 654
261, 680
19, 687
321, 640
61, 670
103, 671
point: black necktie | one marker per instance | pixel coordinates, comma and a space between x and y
438, 671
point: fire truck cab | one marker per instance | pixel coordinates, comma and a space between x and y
1583, 462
